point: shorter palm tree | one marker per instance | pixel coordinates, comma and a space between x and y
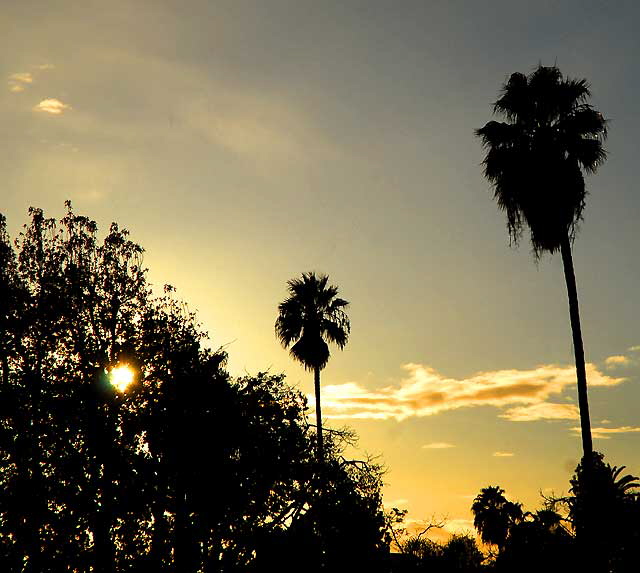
494, 515
310, 318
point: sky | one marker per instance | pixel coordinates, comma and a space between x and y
244, 142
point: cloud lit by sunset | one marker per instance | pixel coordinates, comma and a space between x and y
19, 81
52, 106
426, 392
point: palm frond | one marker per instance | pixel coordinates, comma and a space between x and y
572, 93
625, 483
589, 153
336, 330
499, 134
584, 121
289, 323
514, 102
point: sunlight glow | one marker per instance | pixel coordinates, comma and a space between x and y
121, 377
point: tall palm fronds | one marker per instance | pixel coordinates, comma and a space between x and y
535, 159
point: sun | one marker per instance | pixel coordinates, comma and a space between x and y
121, 377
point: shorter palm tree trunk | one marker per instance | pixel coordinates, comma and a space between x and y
316, 379
578, 349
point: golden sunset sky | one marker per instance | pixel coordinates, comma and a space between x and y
244, 142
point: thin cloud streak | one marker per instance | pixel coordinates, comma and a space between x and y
401, 502
18, 81
606, 433
617, 360
503, 454
426, 392
438, 446
542, 411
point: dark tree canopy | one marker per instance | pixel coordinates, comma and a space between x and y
186, 470
594, 528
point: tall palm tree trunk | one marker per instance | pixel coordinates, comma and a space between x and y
316, 380
574, 313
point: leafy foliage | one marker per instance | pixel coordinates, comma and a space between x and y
595, 528
188, 469
604, 509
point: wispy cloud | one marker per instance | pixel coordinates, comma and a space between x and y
617, 360
52, 106
438, 446
399, 503
18, 81
455, 526
503, 454
542, 411
459, 525
606, 433
45, 67
426, 392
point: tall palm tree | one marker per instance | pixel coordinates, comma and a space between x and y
310, 318
535, 161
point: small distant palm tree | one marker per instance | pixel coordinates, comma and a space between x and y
310, 318
494, 515
535, 162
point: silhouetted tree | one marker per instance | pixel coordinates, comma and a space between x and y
461, 553
605, 513
417, 552
187, 470
539, 542
340, 527
494, 515
308, 319
526, 541
598, 529
535, 162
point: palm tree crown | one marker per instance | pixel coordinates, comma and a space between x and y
494, 515
536, 158
311, 317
